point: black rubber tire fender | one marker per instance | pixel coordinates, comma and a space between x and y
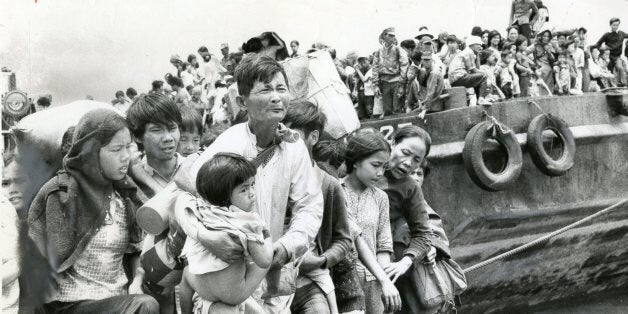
474, 162
538, 154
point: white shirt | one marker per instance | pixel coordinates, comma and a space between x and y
288, 180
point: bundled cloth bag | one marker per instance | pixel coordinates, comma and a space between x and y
440, 283
314, 77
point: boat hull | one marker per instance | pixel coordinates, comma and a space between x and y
483, 224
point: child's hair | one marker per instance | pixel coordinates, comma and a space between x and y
484, 55
408, 44
119, 94
304, 115
520, 40
505, 53
220, 175
330, 151
362, 145
152, 108
191, 120
416, 55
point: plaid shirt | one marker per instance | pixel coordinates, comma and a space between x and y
98, 273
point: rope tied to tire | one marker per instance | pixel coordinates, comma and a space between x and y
473, 155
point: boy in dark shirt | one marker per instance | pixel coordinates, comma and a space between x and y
614, 41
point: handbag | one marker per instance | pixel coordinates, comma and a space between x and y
439, 283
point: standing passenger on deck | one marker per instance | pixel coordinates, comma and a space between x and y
522, 10
614, 41
389, 68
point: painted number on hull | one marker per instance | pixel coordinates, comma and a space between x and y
387, 130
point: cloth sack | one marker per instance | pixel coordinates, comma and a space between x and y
439, 283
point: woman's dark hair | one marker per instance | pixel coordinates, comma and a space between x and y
493, 34
408, 44
362, 145
520, 40
410, 131
476, 31
253, 45
304, 115
539, 36
191, 120
330, 151
511, 27
254, 68
152, 108
232, 169
193, 57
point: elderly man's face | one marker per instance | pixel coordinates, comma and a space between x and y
268, 101
389, 39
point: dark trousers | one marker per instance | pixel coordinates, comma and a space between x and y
309, 299
525, 30
524, 85
474, 80
616, 67
132, 304
365, 105
507, 90
390, 100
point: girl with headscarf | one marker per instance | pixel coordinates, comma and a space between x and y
83, 221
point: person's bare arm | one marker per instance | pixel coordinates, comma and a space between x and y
261, 253
392, 300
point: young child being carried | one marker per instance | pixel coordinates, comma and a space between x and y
226, 188
537, 84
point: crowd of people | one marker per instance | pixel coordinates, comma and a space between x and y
269, 215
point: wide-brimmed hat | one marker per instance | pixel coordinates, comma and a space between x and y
390, 30
473, 40
424, 33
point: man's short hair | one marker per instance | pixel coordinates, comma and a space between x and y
304, 115
254, 68
191, 121
232, 169
452, 39
330, 151
408, 44
295, 42
175, 81
43, 101
131, 92
157, 84
152, 108
119, 94
613, 20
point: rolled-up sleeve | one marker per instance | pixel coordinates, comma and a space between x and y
306, 201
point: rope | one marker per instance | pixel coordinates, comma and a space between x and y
537, 106
543, 238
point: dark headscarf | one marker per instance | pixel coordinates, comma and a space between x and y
82, 162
